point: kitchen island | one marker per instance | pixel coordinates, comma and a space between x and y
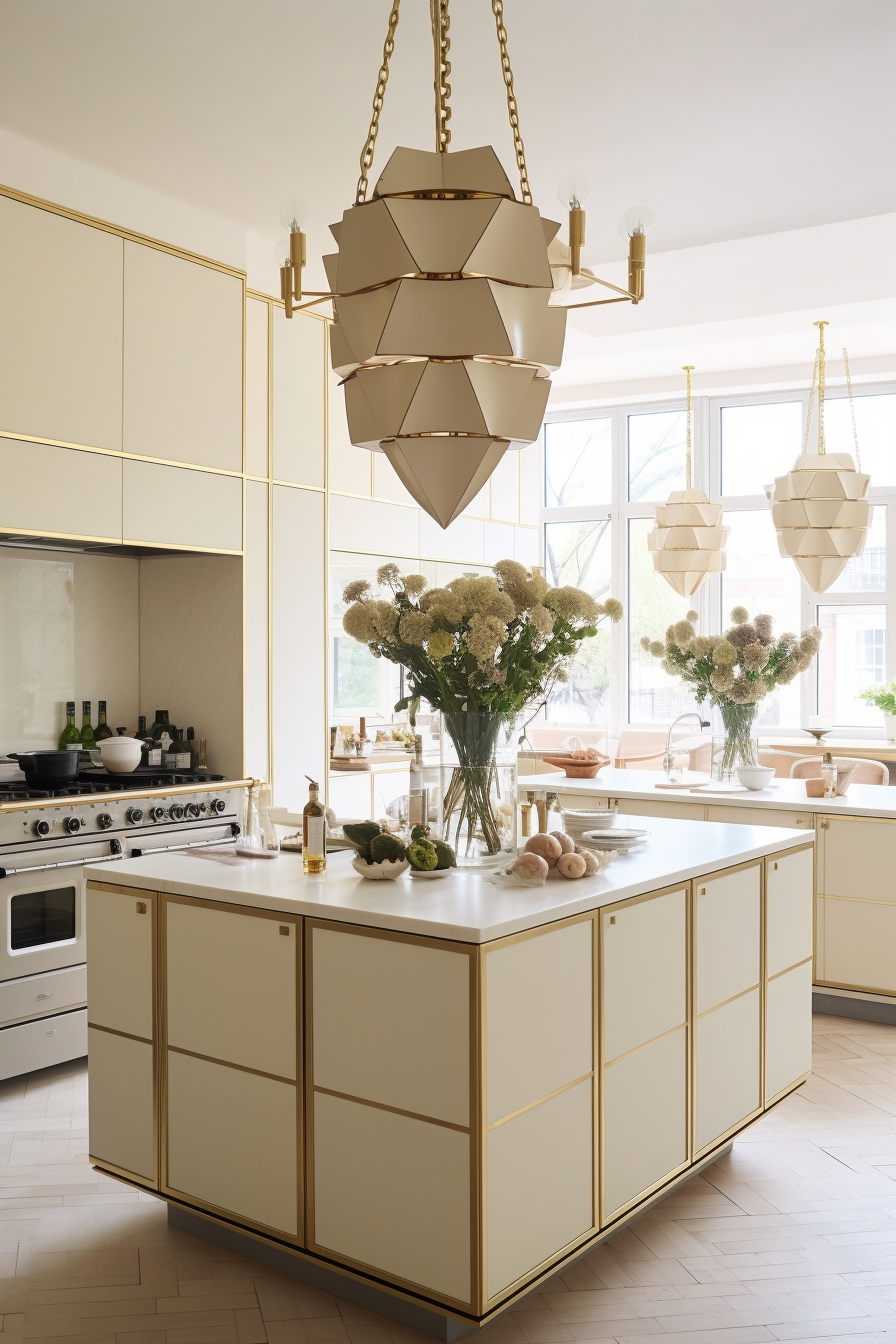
855, 870
429, 1095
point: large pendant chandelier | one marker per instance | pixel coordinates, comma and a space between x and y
819, 508
688, 540
444, 332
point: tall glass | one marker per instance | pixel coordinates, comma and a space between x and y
477, 786
733, 740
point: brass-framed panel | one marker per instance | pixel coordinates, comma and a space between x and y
787, 969
119, 452
165, 1188
476, 1103
31, 803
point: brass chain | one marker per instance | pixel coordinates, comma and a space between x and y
441, 22
852, 408
512, 108
378, 97
689, 449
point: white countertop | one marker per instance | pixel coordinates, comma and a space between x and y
861, 800
464, 906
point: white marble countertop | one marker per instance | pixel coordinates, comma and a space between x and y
464, 906
860, 800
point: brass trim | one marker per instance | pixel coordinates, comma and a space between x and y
229, 1063
858, 900
733, 1129
131, 1177
170, 546
734, 997
763, 976
120, 453
394, 1110
795, 967
112, 1031
636, 1049
120, 232
857, 989
298, 485
218, 786
547, 1097
786, 1091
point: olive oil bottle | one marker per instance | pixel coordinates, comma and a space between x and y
314, 831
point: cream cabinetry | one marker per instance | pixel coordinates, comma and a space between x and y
60, 329
856, 907
169, 505
183, 360
59, 491
121, 1016
300, 390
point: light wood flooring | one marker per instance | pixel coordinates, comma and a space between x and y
790, 1237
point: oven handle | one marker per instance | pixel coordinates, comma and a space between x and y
235, 832
114, 845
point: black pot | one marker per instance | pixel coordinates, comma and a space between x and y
48, 767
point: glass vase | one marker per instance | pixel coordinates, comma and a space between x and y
477, 786
734, 741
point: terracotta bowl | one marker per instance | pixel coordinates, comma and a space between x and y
577, 769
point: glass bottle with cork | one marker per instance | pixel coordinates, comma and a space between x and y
88, 741
314, 831
70, 737
829, 775
102, 729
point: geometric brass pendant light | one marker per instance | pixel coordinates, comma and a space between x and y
819, 509
443, 334
688, 540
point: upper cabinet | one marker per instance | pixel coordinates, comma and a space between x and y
183, 360
60, 327
300, 391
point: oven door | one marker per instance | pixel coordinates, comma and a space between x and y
42, 925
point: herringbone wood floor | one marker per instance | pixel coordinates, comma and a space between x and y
790, 1237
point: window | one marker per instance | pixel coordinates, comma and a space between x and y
603, 476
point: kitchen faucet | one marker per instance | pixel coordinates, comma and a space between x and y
667, 759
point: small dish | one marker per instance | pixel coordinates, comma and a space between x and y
388, 870
432, 872
755, 777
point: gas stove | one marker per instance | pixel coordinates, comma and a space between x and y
98, 780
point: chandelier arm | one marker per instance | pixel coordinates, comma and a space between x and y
378, 98
441, 46
852, 409
512, 107
594, 303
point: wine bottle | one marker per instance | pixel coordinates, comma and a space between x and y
70, 736
180, 749
88, 741
102, 729
194, 748
160, 725
314, 831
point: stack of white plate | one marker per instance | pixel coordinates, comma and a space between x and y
620, 838
575, 823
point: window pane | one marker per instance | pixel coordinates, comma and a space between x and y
758, 444
577, 462
851, 659
579, 554
757, 578
876, 424
868, 572
656, 454
654, 696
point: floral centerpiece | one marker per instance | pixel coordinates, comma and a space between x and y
479, 650
734, 671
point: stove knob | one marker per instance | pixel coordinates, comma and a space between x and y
41, 828
157, 814
72, 825
192, 810
134, 815
104, 821
176, 812
217, 805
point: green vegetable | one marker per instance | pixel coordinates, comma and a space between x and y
385, 846
420, 833
445, 854
360, 834
423, 855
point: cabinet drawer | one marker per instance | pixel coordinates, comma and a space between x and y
727, 935
857, 858
788, 921
232, 986
54, 991
644, 989
760, 816
119, 966
644, 807
857, 945
121, 1102
60, 490
37, 1045
788, 1029
645, 1101
182, 507
727, 1068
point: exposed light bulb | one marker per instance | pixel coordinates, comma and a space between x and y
636, 220
281, 252
295, 214
574, 192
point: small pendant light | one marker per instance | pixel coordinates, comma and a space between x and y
688, 540
819, 508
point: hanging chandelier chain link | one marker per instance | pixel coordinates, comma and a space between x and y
512, 108
852, 408
441, 22
378, 99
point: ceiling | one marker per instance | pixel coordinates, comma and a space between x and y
728, 120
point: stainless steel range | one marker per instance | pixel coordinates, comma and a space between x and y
46, 837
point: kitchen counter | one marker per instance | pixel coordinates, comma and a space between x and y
464, 905
429, 1096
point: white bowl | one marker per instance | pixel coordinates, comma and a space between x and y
388, 870
755, 776
121, 755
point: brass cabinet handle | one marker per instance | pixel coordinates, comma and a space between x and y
141, 907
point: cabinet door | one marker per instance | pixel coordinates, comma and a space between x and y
726, 1065
120, 964
60, 330
727, 935
857, 945
181, 508
645, 1119
121, 1102
856, 858
788, 1029
59, 491
760, 816
183, 361
231, 986
644, 807
788, 917
300, 390
257, 387
644, 990
233, 1141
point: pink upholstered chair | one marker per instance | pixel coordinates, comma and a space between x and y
780, 761
863, 772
